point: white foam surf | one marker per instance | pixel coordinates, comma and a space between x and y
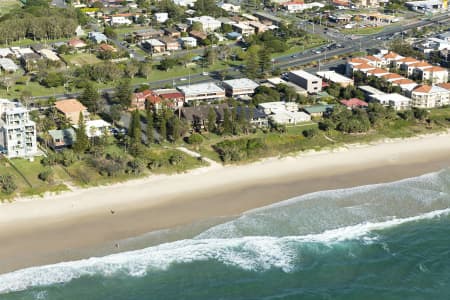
254, 253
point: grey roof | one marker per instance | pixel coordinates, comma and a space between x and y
200, 113
257, 113
317, 108
68, 135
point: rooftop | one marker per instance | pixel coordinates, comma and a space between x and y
70, 106
200, 88
241, 83
304, 74
333, 76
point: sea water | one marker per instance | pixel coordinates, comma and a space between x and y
384, 241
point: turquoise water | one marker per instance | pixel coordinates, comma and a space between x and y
387, 241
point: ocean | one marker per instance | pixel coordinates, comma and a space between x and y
384, 241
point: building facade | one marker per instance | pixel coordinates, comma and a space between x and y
17, 131
311, 83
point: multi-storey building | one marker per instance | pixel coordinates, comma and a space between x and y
17, 131
426, 96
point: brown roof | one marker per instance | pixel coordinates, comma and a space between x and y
436, 69
445, 85
420, 64
408, 59
358, 60
372, 58
391, 54
377, 71
403, 81
70, 106
422, 89
392, 76
364, 66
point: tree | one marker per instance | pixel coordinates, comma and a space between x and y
124, 93
115, 113
162, 126
149, 130
7, 183
264, 60
167, 63
212, 119
227, 124
90, 98
132, 68
109, 32
7, 82
82, 141
134, 130
145, 69
252, 64
195, 139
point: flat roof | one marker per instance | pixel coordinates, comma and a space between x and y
200, 88
371, 90
241, 83
394, 97
304, 74
8, 64
333, 76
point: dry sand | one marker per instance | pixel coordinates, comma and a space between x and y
62, 227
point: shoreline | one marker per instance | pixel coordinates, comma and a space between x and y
71, 225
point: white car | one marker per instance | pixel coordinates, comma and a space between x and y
205, 73
183, 79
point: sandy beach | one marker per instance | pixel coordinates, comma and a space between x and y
63, 227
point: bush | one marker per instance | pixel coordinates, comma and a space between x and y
240, 149
195, 139
46, 175
310, 133
7, 183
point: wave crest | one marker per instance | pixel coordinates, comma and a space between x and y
255, 253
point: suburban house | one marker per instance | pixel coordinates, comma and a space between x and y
71, 109
96, 128
239, 87
161, 17
97, 37
243, 29
284, 113
257, 117
208, 91
317, 111
171, 96
107, 48
354, 103
154, 45
426, 96
173, 33
17, 131
76, 43
197, 116
61, 139
8, 65
199, 35
139, 100
145, 34
170, 44
188, 42
332, 76
311, 83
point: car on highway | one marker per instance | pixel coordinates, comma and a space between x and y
205, 73
294, 56
183, 79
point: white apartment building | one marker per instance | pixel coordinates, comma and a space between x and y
17, 131
208, 23
311, 83
427, 96
239, 87
208, 91
120, 21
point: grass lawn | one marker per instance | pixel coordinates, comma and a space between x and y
80, 59
299, 44
28, 42
8, 5
32, 185
364, 30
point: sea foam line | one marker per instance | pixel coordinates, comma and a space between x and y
249, 253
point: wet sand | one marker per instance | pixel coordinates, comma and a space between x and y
76, 224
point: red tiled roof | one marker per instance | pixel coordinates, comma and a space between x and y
354, 102
70, 106
403, 81
171, 95
392, 76
423, 89
391, 54
445, 85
